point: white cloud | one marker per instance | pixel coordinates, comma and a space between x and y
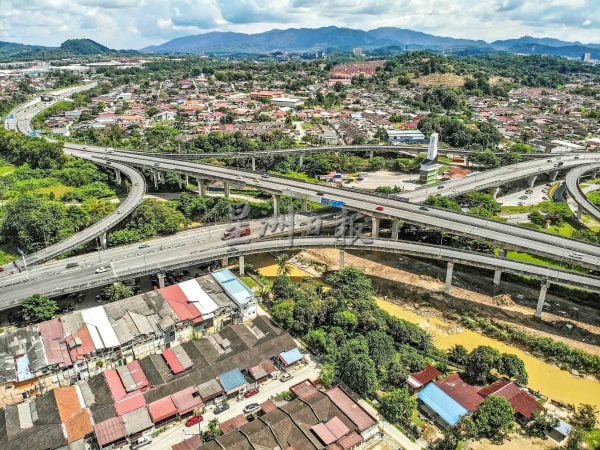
137, 23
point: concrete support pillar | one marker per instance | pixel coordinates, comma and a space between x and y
242, 262
226, 189
341, 261
449, 272
201, 186
504, 252
497, 276
301, 162
187, 181
579, 212
276, 201
371, 154
375, 227
531, 181
395, 229
304, 206
542, 299
180, 182
118, 176
155, 179
466, 161
253, 164
493, 191
224, 262
552, 175
161, 279
103, 240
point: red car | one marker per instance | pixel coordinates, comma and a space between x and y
250, 392
194, 420
379, 208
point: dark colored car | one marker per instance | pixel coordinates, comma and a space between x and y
222, 407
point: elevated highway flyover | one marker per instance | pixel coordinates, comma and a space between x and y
576, 193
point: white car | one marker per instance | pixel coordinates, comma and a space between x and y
102, 269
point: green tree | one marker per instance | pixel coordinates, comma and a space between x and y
283, 264
493, 419
350, 284
458, 354
585, 417
514, 367
480, 362
316, 340
355, 367
576, 439
541, 423
381, 347
345, 319
40, 307
118, 291
213, 431
441, 201
328, 374
398, 406
283, 313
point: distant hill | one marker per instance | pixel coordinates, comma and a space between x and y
84, 47
68, 49
381, 41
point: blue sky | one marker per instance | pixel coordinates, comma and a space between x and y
137, 23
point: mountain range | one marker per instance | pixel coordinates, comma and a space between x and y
345, 39
307, 40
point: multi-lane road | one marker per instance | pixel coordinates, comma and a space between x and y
573, 189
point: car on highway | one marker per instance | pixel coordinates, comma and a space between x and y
232, 249
286, 376
102, 269
156, 164
320, 194
440, 186
144, 246
423, 208
193, 420
71, 265
251, 407
119, 211
265, 175
221, 408
252, 391
379, 208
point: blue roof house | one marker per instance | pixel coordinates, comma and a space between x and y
233, 381
444, 410
241, 294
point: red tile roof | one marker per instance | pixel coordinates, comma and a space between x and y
356, 413
110, 430
192, 443
350, 441
233, 424
463, 393
268, 406
304, 390
178, 301
331, 430
522, 401
187, 400
162, 409
423, 377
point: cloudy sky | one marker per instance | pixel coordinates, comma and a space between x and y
137, 23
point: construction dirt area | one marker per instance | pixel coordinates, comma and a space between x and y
411, 280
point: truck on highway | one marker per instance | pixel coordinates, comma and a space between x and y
237, 232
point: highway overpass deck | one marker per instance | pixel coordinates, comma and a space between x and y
575, 191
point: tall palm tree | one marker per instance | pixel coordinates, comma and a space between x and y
283, 264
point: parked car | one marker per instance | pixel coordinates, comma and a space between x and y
252, 391
286, 376
222, 407
193, 420
250, 408
140, 442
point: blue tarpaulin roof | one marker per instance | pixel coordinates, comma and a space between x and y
291, 356
235, 288
563, 428
444, 405
23, 372
232, 379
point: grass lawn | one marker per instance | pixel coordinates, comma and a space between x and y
5, 169
301, 176
248, 281
58, 190
516, 209
531, 259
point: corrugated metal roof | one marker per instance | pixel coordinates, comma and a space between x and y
199, 298
135, 369
233, 424
424, 376
330, 431
522, 402
162, 409
177, 359
445, 406
465, 394
100, 328
178, 301
126, 378
234, 287
137, 420
24, 412
232, 380
187, 400
356, 413
110, 430
291, 356
210, 389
